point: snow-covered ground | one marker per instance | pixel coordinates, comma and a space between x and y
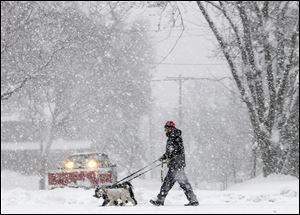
275, 194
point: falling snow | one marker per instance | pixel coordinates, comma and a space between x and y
84, 77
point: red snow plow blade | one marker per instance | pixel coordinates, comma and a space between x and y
83, 170
79, 179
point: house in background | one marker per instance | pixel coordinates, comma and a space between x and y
20, 146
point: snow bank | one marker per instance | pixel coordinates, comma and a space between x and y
12, 180
271, 184
275, 194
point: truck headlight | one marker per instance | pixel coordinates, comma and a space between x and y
69, 165
93, 163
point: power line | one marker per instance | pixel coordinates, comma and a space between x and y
192, 64
129, 31
180, 79
191, 78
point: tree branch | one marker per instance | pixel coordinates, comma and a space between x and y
176, 42
255, 74
224, 48
283, 85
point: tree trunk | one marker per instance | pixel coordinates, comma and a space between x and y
44, 160
254, 160
289, 136
268, 154
225, 182
43, 173
234, 173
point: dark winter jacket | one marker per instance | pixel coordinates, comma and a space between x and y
175, 150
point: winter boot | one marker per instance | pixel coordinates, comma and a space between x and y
158, 202
192, 203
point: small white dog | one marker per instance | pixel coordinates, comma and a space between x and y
115, 194
112, 195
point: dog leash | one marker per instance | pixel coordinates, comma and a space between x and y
161, 172
136, 172
144, 172
149, 170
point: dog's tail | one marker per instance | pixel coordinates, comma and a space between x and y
130, 187
128, 184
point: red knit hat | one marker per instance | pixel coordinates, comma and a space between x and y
170, 124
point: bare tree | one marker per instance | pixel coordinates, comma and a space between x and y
25, 31
59, 91
260, 45
97, 78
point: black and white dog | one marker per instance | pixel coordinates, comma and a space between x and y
113, 194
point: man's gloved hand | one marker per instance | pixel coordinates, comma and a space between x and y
162, 158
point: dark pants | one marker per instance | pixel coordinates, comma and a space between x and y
170, 179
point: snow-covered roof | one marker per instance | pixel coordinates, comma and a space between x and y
89, 153
57, 144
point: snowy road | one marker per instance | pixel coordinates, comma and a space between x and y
257, 196
81, 201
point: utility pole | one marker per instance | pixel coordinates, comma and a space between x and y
180, 81
151, 144
180, 99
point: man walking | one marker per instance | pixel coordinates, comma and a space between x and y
175, 158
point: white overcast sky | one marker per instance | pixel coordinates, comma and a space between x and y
196, 46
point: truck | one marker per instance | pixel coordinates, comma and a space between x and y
87, 170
